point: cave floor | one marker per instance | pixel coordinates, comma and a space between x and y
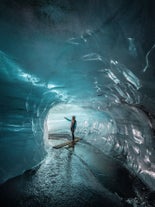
79, 176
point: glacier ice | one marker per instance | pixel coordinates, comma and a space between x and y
60, 59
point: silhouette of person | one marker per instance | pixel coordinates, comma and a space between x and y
73, 126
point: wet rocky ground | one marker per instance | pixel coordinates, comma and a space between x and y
79, 176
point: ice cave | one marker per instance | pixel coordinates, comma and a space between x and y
93, 59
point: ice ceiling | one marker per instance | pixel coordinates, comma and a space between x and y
94, 58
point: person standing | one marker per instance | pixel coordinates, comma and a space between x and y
73, 126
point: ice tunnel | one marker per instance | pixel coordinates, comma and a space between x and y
93, 59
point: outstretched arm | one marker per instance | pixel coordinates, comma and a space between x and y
67, 119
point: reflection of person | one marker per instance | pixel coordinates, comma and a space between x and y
73, 125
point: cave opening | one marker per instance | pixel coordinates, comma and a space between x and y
90, 122
58, 127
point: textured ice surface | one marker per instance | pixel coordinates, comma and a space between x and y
93, 64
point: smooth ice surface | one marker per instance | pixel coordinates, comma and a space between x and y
94, 59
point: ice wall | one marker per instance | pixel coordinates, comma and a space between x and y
23, 110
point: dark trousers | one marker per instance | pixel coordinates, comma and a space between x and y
72, 135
